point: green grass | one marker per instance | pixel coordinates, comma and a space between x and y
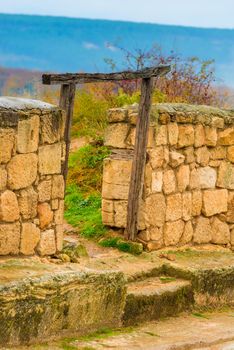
200, 315
167, 279
120, 244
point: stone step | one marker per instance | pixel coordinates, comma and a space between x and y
155, 298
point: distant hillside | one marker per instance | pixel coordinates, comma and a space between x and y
63, 44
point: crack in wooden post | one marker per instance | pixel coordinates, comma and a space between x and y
139, 159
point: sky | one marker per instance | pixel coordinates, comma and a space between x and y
198, 13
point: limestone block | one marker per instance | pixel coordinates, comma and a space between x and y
202, 156
107, 206
44, 190
194, 179
226, 137
183, 177
59, 237
173, 232
189, 154
45, 215
220, 232
230, 154
54, 204
157, 157
173, 133
230, 213
174, 207
211, 136
215, 202
217, 122
232, 237
176, 159
226, 176
187, 234
28, 203
155, 210
9, 209
3, 179
117, 115
120, 213
59, 214
116, 135
157, 181
28, 135
161, 135
47, 244
116, 178
156, 234
9, 238
203, 231
7, 141
169, 182
108, 218
187, 205
131, 137
30, 236
199, 131
196, 203
50, 159
186, 136
57, 187
144, 235
22, 171
207, 177
218, 152
154, 245
52, 127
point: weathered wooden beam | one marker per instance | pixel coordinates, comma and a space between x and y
139, 159
67, 98
79, 78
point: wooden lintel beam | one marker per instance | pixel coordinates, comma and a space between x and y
80, 78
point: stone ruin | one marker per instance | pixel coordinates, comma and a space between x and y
31, 184
188, 190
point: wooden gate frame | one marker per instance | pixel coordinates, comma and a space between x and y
68, 83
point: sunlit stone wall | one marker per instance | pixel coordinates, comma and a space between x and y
188, 192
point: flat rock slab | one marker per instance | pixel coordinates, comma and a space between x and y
16, 103
40, 301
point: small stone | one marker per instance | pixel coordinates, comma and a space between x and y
22, 171
230, 154
174, 207
44, 191
196, 203
157, 157
155, 209
154, 245
118, 115
202, 156
211, 136
52, 127
203, 231
120, 214
218, 152
157, 181
215, 202
54, 204
161, 135
116, 135
199, 135
226, 137
7, 141
220, 232
169, 182
30, 236
50, 159
47, 244
108, 219
173, 232
187, 234
156, 234
57, 187
183, 177
64, 257
207, 177
189, 154
9, 238
9, 210
28, 135
45, 215
176, 159
194, 180
226, 176
144, 236
59, 237
186, 136
108, 205
230, 213
173, 132
28, 203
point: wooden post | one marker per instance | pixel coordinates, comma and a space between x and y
67, 98
139, 159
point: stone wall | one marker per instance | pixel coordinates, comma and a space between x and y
31, 184
188, 194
